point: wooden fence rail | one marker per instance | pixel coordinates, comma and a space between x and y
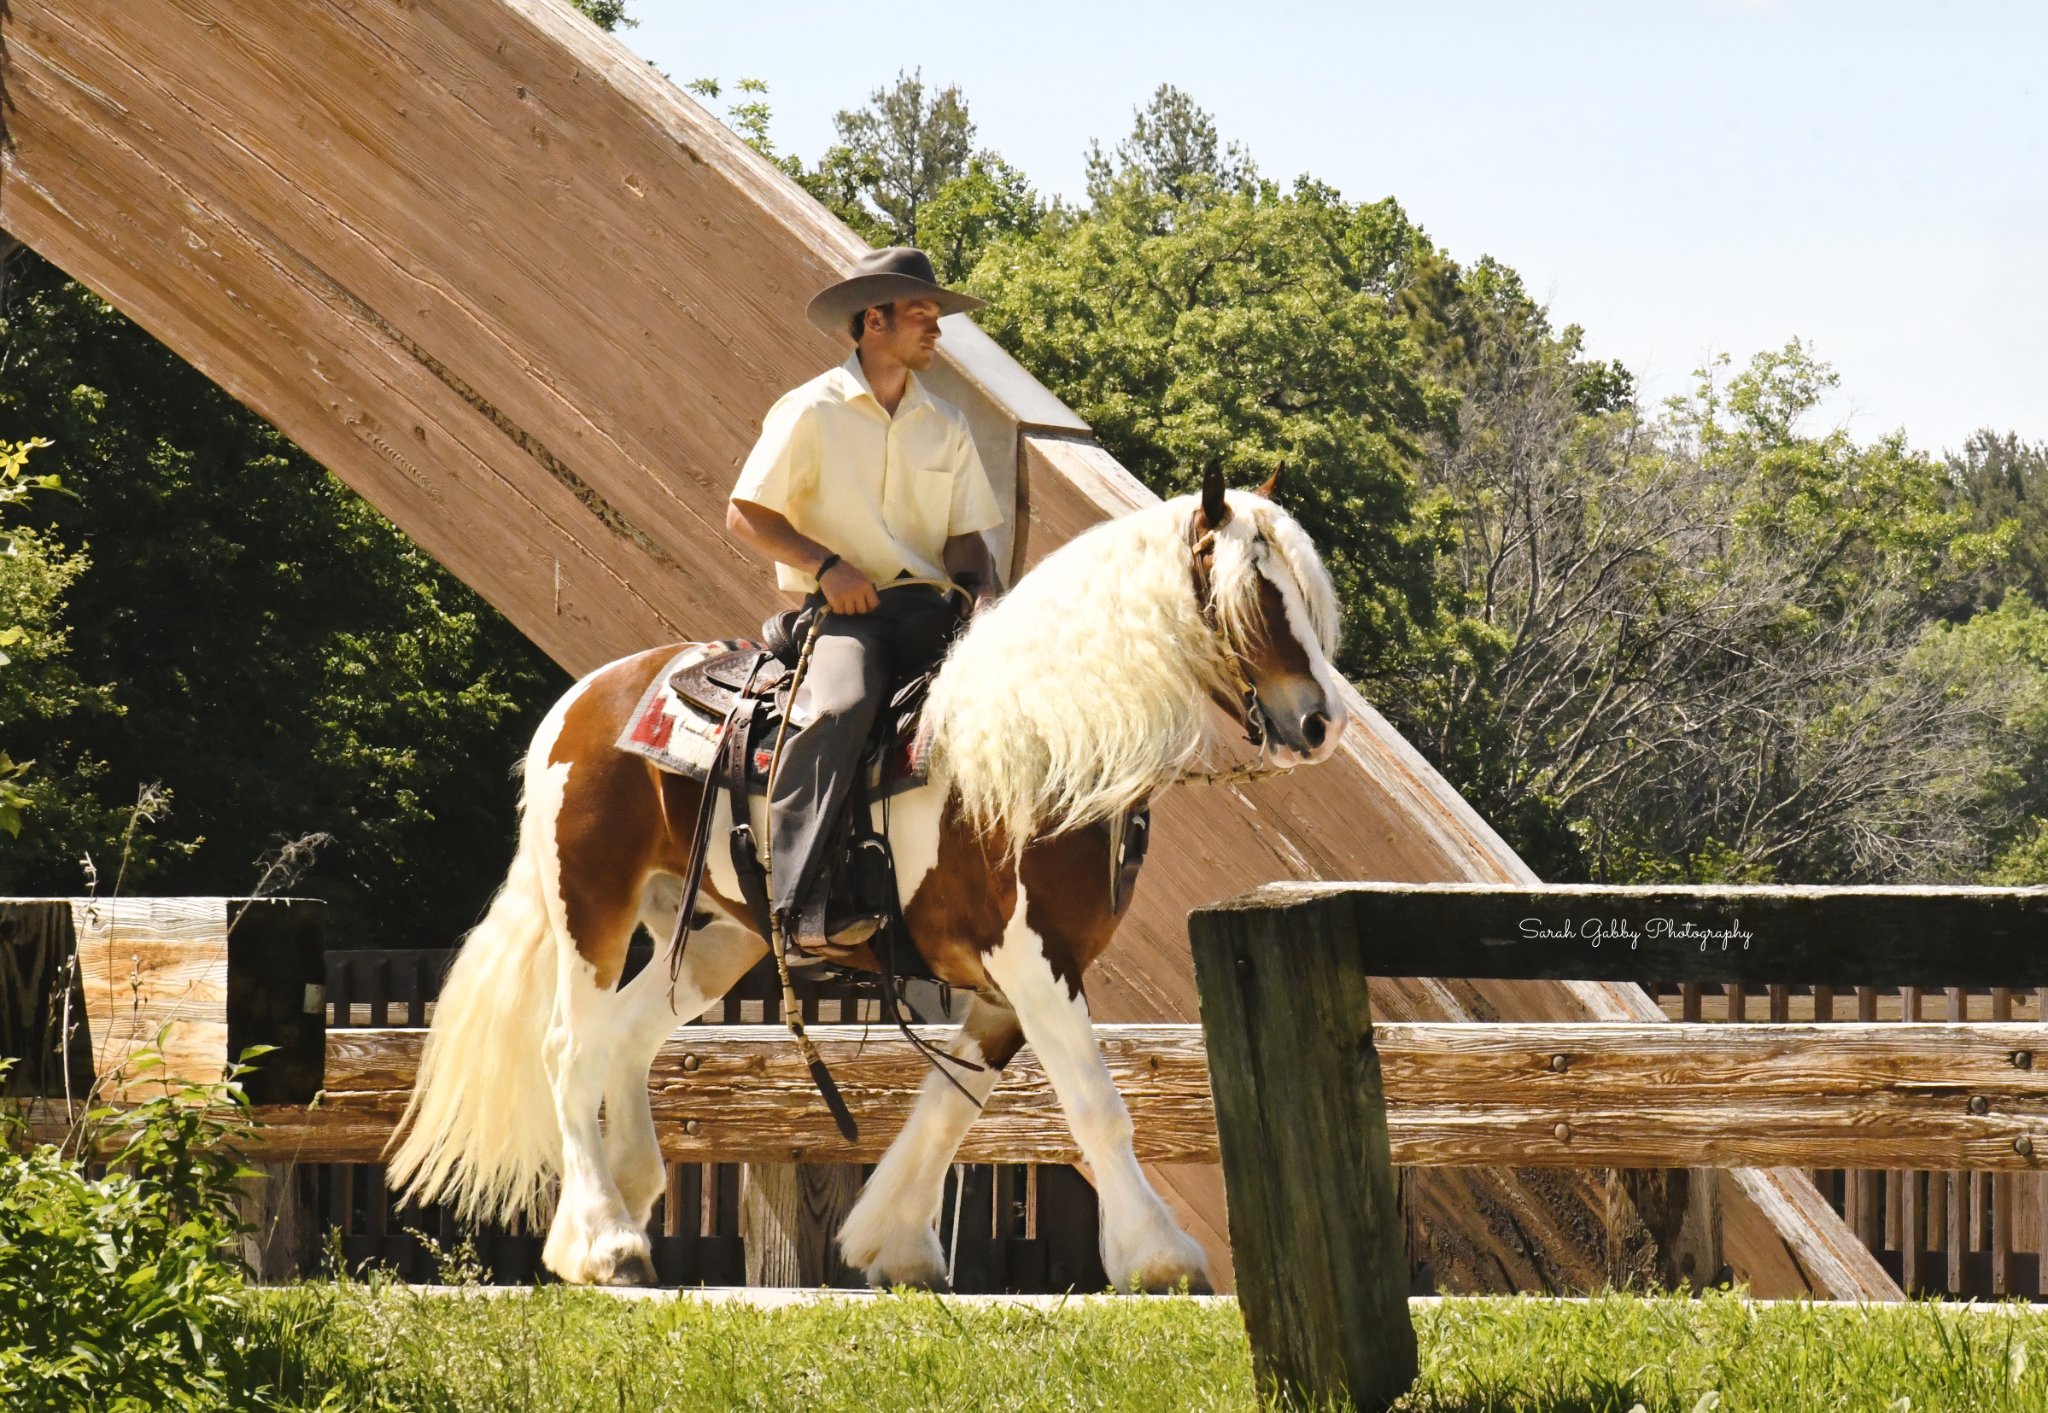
1577, 1094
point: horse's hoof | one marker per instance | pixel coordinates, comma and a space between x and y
632, 1268
933, 1282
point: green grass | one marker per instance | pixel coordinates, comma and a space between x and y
378, 1347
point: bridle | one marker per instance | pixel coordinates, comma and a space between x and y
1202, 546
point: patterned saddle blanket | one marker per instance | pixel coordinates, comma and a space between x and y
679, 723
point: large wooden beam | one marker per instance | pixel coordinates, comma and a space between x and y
1928, 1095
516, 289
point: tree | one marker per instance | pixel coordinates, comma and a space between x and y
991, 202
2003, 484
1258, 329
893, 158
1172, 153
1697, 646
607, 15
38, 686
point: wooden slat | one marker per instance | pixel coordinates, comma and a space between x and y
1891, 1096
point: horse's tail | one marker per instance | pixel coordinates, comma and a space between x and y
480, 1129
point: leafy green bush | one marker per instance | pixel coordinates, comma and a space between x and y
121, 1292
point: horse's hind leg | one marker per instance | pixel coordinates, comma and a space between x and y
891, 1233
716, 956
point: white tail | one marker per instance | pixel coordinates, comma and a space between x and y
480, 1129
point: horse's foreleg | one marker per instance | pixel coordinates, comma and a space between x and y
1143, 1246
715, 957
892, 1232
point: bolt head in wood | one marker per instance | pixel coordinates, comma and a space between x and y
2023, 1145
690, 1126
1559, 1063
2023, 1059
1563, 1133
690, 1063
1979, 1104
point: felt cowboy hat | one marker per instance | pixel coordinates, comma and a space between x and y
880, 277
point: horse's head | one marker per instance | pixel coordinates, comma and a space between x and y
1265, 594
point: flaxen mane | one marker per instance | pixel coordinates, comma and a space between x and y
1086, 688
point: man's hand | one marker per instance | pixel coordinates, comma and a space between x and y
847, 590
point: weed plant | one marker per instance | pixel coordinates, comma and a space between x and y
124, 1291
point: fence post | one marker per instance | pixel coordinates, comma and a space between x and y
1301, 1120
789, 1214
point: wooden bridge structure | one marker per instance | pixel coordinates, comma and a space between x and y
522, 294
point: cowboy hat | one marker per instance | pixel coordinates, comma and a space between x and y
880, 277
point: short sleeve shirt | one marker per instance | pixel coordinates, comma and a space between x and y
884, 493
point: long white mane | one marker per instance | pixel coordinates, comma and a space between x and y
1086, 688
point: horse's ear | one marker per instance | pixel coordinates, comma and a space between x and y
1267, 491
1215, 509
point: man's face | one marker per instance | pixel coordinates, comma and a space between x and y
913, 339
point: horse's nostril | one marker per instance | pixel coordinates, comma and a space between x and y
1314, 727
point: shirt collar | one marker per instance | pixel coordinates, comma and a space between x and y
914, 394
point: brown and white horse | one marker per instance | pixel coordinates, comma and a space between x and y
1072, 699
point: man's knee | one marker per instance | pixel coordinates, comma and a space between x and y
845, 683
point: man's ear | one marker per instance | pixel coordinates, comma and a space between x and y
1215, 510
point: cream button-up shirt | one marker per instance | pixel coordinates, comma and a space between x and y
884, 493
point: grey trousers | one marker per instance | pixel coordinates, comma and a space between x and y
858, 661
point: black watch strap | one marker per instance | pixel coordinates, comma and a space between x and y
825, 566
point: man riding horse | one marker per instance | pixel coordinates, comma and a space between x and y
868, 495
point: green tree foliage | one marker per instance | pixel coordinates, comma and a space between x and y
280, 658
748, 115
607, 15
1697, 637
39, 689
1173, 156
894, 156
905, 172
2000, 657
1196, 316
2003, 483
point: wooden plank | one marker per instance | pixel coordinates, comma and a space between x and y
1706, 1095
1301, 1119
1738, 936
154, 973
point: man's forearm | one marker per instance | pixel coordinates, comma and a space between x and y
769, 533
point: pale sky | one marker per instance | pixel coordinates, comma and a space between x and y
1680, 178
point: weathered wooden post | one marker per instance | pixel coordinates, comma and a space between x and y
1321, 1253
